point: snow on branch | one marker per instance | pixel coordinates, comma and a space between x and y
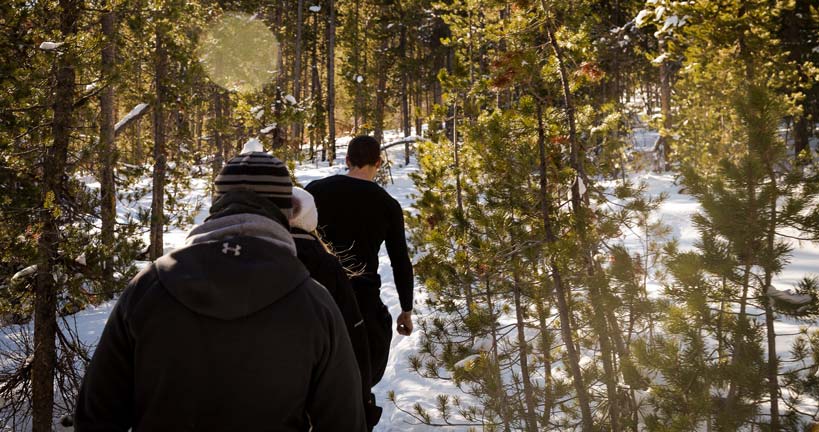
409, 139
800, 301
50, 46
28, 271
467, 363
135, 113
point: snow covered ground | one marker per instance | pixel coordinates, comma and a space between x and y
409, 387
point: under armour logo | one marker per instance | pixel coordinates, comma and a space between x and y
236, 250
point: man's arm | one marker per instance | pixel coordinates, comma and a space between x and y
105, 402
399, 256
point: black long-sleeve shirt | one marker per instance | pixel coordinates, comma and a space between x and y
356, 216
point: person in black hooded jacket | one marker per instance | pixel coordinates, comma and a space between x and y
325, 268
228, 332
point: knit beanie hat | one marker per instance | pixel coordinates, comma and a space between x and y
261, 173
305, 214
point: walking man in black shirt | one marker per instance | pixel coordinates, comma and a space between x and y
356, 216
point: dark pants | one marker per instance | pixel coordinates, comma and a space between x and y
378, 321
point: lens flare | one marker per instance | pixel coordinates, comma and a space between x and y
239, 53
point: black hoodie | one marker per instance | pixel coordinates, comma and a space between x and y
226, 333
325, 268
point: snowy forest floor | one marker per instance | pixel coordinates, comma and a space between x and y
409, 387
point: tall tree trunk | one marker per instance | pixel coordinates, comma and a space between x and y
741, 339
216, 132
794, 28
559, 289
773, 360
530, 417
53, 186
297, 66
459, 202
358, 104
665, 108
418, 108
740, 343
405, 115
139, 148
160, 157
108, 150
318, 131
501, 396
599, 320
198, 129
543, 311
331, 80
381, 72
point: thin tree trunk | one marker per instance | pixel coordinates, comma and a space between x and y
501, 396
559, 289
773, 360
459, 201
216, 131
599, 320
543, 312
198, 129
731, 400
139, 148
358, 105
331, 81
530, 418
795, 24
418, 109
381, 87
665, 108
53, 185
108, 150
297, 66
742, 331
160, 158
405, 114
318, 131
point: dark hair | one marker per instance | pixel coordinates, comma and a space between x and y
363, 150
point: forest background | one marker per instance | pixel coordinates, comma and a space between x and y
518, 114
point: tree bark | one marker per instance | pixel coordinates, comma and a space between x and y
160, 157
108, 150
559, 289
405, 114
297, 66
318, 130
773, 360
795, 24
496, 372
599, 320
665, 108
53, 187
331, 81
530, 418
381, 72
543, 312
216, 130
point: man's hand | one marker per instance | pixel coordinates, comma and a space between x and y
404, 323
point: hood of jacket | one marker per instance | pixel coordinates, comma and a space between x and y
232, 266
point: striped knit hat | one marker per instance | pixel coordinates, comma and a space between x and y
261, 173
